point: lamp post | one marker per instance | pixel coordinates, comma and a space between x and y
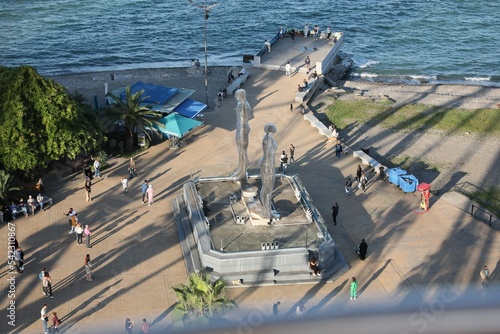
206, 52
206, 11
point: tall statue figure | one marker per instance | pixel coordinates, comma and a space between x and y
268, 169
243, 114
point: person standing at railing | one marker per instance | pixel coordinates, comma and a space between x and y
268, 45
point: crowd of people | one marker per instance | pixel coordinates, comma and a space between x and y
82, 235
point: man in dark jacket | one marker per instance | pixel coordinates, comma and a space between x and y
335, 212
363, 248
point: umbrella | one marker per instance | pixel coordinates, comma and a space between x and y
177, 125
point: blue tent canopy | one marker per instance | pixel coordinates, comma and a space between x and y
154, 94
177, 125
190, 108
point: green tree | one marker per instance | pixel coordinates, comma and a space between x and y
133, 114
201, 301
5, 186
40, 122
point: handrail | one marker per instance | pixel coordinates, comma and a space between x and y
480, 209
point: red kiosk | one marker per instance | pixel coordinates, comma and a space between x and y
425, 194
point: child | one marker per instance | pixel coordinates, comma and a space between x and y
55, 322
124, 182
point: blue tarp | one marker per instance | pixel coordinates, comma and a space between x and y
190, 108
155, 94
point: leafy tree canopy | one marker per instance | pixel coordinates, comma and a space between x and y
40, 122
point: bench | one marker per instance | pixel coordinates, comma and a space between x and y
307, 93
367, 160
322, 129
46, 201
235, 85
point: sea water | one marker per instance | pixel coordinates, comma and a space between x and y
451, 41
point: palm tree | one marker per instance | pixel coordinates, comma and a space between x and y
133, 114
201, 300
5, 185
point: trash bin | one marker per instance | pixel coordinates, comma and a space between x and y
394, 174
408, 183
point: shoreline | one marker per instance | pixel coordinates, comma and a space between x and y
91, 84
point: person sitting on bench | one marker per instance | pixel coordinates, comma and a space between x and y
242, 72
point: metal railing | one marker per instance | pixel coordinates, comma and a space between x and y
468, 189
482, 210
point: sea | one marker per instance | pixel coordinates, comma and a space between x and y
404, 41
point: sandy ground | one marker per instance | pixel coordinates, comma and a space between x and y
446, 159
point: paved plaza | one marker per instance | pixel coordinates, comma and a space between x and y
135, 248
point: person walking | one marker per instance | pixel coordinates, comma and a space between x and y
88, 268
88, 190
485, 277
74, 222
306, 30
307, 63
144, 190
44, 317
335, 212
129, 325
363, 249
146, 326
70, 215
124, 183
151, 193
292, 153
338, 149
362, 182
288, 69
230, 76
359, 171
55, 322
283, 162
97, 168
19, 259
354, 288
79, 233
132, 171
276, 310
299, 310
348, 186
39, 186
87, 233
41, 275
47, 285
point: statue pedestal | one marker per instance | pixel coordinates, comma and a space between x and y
254, 210
252, 204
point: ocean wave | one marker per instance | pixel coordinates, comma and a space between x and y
362, 62
421, 77
477, 78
